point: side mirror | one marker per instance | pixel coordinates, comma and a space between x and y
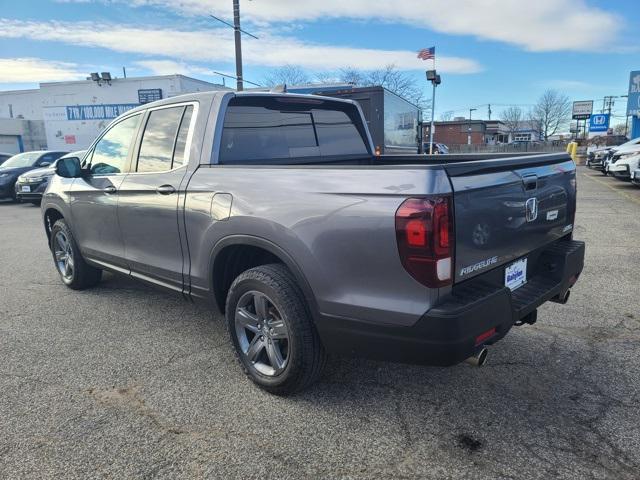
69, 167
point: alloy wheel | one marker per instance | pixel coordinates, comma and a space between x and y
63, 253
262, 333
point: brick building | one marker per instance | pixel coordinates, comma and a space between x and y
457, 131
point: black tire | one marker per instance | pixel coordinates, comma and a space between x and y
306, 356
82, 274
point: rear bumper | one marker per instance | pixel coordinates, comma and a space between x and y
446, 334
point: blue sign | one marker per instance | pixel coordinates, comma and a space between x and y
633, 102
599, 122
98, 112
147, 95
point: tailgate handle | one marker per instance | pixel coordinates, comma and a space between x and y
530, 182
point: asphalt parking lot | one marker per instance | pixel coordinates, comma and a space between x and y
125, 381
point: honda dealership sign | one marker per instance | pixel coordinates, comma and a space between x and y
633, 102
599, 122
582, 110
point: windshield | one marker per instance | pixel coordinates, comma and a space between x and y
635, 141
22, 160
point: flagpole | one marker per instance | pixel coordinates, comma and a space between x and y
433, 108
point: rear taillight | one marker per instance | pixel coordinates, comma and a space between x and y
424, 232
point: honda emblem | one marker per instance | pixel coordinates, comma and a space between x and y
531, 209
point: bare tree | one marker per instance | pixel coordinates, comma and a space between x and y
551, 113
287, 74
325, 77
392, 79
620, 129
447, 116
512, 118
389, 77
352, 75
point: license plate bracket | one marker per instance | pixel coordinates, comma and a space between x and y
25, 188
515, 274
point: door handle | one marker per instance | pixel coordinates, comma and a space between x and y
165, 189
109, 189
530, 182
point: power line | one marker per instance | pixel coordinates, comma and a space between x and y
238, 42
231, 25
235, 78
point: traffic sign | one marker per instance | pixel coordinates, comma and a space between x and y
599, 122
582, 110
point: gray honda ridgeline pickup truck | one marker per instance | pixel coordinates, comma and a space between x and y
275, 208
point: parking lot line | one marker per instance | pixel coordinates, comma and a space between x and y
617, 190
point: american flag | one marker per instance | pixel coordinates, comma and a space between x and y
427, 53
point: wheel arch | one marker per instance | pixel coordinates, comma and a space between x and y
222, 273
50, 216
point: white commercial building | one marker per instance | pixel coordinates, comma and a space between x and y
69, 115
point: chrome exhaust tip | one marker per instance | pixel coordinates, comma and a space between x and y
562, 299
479, 358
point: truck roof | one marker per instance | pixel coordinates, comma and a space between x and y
211, 95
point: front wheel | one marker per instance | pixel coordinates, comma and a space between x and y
74, 271
272, 332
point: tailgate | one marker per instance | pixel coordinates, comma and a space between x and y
505, 209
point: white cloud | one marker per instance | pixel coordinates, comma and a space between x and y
216, 45
30, 70
562, 84
540, 25
169, 67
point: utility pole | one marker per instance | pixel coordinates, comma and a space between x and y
237, 31
236, 34
607, 103
469, 131
489, 111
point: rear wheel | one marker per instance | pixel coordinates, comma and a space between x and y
74, 271
272, 332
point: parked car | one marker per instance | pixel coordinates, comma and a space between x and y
635, 177
616, 156
31, 185
609, 154
624, 165
438, 148
11, 169
596, 158
276, 208
5, 156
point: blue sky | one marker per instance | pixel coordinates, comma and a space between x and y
499, 52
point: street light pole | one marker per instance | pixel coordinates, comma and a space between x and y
236, 34
433, 112
435, 80
469, 130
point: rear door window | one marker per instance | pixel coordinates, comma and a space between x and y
159, 140
260, 130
